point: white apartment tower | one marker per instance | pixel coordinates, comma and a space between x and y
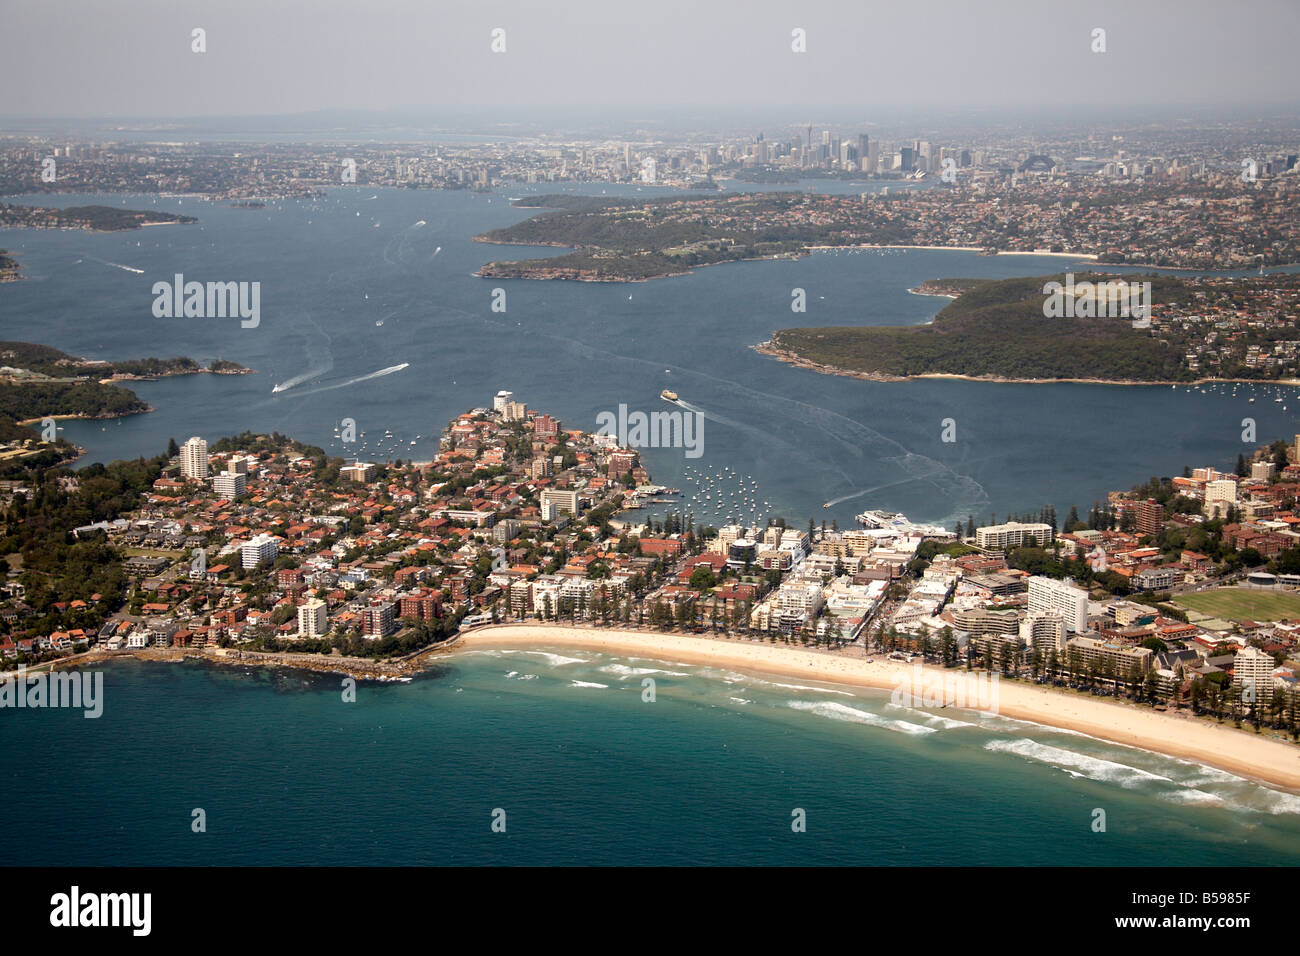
1049, 594
194, 458
1219, 495
1252, 673
313, 618
230, 484
259, 549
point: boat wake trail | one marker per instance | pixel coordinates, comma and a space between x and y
115, 265
711, 416
318, 354
401, 251
360, 378
299, 379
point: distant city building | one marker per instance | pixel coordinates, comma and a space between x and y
361, 471
544, 426
229, 484
1044, 631
313, 618
502, 399
1013, 534
562, 499
1150, 515
378, 620
1049, 594
741, 553
259, 549
1220, 495
1154, 579
194, 458
1252, 673
1117, 658
621, 462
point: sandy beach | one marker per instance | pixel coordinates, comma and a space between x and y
1241, 752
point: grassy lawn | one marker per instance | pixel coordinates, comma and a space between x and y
1236, 604
149, 553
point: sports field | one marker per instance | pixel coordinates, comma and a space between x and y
1237, 604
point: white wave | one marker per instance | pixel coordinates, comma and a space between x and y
1278, 802
727, 677
1195, 797
586, 683
837, 711
1094, 768
555, 660
740, 700
360, 378
947, 723
625, 672
819, 690
938, 720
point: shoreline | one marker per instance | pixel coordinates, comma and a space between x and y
359, 668
793, 358
979, 249
1263, 759
1259, 758
82, 416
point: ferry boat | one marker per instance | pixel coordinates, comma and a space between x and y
668, 395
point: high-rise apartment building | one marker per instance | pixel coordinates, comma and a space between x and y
194, 459
313, 618
1049, 594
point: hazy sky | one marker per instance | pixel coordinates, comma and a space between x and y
132, 58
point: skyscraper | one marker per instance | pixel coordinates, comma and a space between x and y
194, 458
1252, 673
